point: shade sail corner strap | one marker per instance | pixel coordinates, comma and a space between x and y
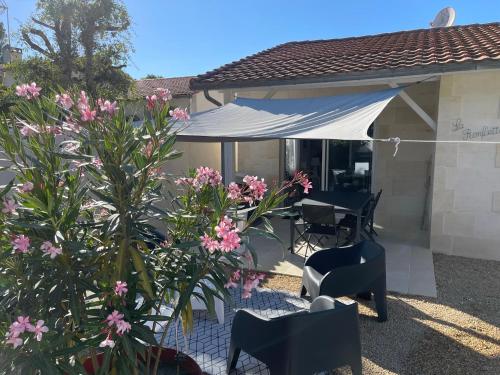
343, 117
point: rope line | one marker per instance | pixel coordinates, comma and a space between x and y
397, 141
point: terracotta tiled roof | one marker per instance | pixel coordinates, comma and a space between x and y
178, 86
409, 52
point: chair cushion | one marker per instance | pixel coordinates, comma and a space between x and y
312, 281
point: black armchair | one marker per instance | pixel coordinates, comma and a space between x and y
321, 339
357, 269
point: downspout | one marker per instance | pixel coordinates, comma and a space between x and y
222, 144
210, 99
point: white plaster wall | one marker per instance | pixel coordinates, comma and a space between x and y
466, 197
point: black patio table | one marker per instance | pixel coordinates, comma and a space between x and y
344, 202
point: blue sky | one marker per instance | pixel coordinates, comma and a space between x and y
189, 37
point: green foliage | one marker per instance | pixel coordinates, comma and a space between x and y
78, 44
97, 186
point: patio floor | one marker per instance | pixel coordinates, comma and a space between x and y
410, 269
456, 333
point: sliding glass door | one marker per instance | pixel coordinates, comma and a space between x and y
332, 165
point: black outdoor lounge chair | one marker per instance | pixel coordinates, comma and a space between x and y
321, 339
353, 270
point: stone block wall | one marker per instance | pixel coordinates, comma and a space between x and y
466, 196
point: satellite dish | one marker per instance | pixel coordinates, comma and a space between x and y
444, 18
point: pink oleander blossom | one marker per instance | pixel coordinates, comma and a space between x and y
234, 191
164, 94
179, 114
26, 187
22, 90
87, 114
108, 342
96, 162
65, 101
122, 326
107, 106
49, 249
21, 325
184, 181
121, 288
15, 341
207, 176
34, 90
256, 189
114, 318
9, 207
83, 101
251, 282
151, 102
148, 149
225, 225
230, 241
209, 243
29, 92
29, 130
21, 243
233, 280
39, 329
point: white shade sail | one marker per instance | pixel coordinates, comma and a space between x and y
345, 117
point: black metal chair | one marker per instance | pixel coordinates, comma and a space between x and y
320, 222
367, 220
353, 270
321, 339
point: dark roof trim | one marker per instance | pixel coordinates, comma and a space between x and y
352, 76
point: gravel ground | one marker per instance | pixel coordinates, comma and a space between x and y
456, 333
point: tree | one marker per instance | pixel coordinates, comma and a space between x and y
152, 76
81, 38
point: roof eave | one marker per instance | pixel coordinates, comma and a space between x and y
437, 69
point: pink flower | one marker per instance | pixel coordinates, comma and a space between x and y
29, 130
107, 342
83, 101
114, 318
22, 91
97, 163
306, 185
15, 341
20, 326
107, 106
164, 94
28, 91
179, 114
233, 280
148, 150
26, 187
225, 225
21, 243
122, 326
251, 283
184, 181
121, 288
50, 249
234, 191
87, 114
256, 187
39, 329
151, 102
230, 241
209, 243
9, 207
207, 176
34, 90
65, 101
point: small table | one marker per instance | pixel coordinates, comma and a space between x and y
344, 202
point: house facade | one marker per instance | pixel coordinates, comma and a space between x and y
442, 188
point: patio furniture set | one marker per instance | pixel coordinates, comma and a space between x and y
326, 336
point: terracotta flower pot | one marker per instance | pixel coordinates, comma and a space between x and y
171, 363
